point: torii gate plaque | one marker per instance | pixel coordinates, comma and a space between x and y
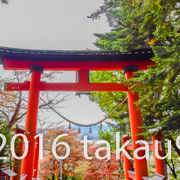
38, 61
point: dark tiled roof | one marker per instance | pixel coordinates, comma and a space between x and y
78, 55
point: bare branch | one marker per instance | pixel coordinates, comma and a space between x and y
7, 117
14, 119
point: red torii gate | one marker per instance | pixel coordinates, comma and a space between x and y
82, 62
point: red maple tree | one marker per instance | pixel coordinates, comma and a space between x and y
49, 166
98, 169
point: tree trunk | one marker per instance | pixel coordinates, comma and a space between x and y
174, 145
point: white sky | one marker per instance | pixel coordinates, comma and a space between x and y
54, 24
50, 24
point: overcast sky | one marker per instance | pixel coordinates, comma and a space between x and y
54, 24
50, 24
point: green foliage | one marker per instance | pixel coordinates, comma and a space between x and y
109, 137
5, 151
73, 178
175, 164
143, 24
108, 101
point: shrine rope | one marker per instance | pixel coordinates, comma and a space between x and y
85, 125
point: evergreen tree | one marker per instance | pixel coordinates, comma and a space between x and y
142, 24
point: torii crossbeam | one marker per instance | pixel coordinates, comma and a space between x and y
82, 62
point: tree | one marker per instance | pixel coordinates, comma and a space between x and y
13, 105
142, 24
98, 169
71, 163
13, 108
5, 152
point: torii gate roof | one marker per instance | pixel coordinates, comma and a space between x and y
23, 59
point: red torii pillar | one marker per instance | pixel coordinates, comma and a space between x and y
36, 160
31, 120
127, 162
16, 167
160, 164
136, 122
